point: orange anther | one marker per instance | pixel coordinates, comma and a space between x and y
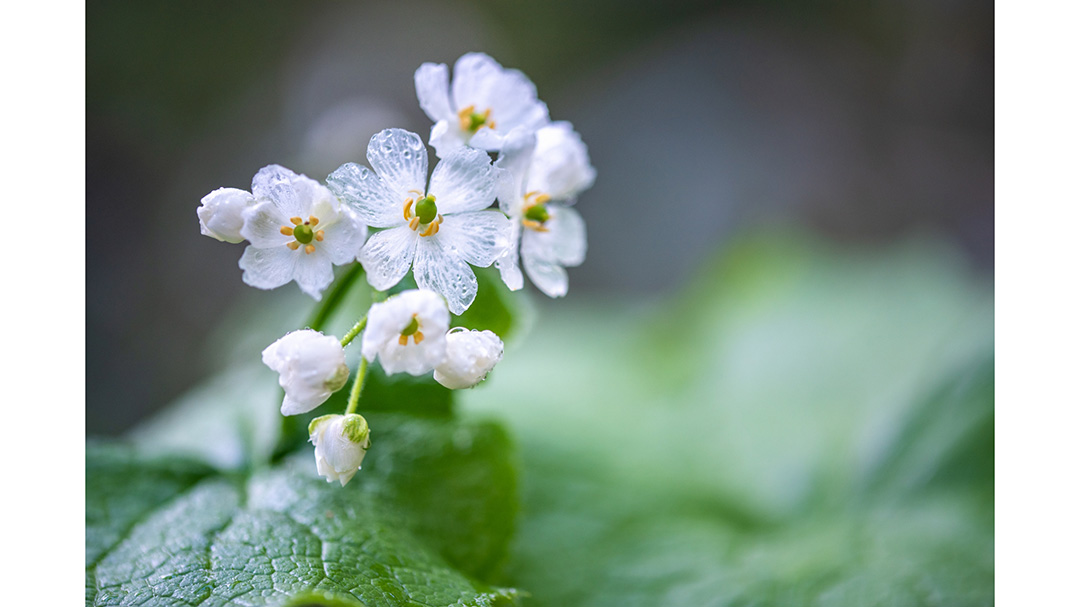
286, 230
313, 220
403, 340
293, 245
417, 337
296, 221
309, 249
320, 235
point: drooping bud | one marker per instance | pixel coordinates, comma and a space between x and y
221, 214
470, 356
341, 442
311, 367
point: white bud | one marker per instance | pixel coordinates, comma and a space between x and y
311, 367
470, 356
341, 441
222, 214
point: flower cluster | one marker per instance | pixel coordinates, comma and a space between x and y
495, 143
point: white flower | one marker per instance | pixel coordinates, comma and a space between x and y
221, 214
438, 229
484, 104
407, 332
544, 175
341, 441
298, 231
311, 368
470, 356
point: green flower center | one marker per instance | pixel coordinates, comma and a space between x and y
303, 233
426, 209
411, 328
537, 213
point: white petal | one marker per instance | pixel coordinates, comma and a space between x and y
546, 274
560, 166
387, 256
464, 181
366, 193
480, 81
221, 214
446, 137
268, 268
508, 262
292, 193
479, 237
400, 159
441, 270
566, 235
291, 406
314, 271
263, 223
343, 239
433, 91
515, 158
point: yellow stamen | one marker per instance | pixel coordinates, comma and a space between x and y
286, 230
313, 219
414, 223
534, 225
296, 221
293, 245
541, 199
320, 235
403, 340
309, 249
408, 207
418, 337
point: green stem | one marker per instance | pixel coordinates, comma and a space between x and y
358, 385
334, 297
353, 332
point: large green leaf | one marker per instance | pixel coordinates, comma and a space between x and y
806, 426
429, 517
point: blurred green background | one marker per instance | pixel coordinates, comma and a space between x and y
861, 122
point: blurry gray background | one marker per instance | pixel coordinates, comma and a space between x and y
862, 121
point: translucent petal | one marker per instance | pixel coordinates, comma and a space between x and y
479, 237
387, 256
508, 262
566, 235
314, 271
344, 238
400, 159
446, 137
440, 270
292, 193
263, 223
433, 91
546, 274
367, 194
268, 268
464, 181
